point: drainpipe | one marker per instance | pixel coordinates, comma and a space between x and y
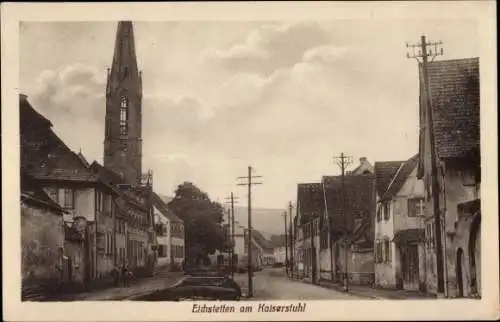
446, 275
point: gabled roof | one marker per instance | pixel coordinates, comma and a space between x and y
400, 177
261, 240
32, 192
310, 201
83, 159
278, 240
57, 162
164, 209
62, 164
359, 199
107, 175
384, 173
28, 116
454, 86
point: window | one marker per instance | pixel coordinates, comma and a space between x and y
99, 201
68, 197
416, 207
387, 208
430, 234
123, 115
387, 251
378, 256
162, 251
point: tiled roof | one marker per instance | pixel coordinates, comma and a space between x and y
62, 164
400, 177
384, 172
454, 86
83, 159
261, 240
108, 176
53, 160
163, 208
359, 199
310, 200
277, 240
32, 191
29, 116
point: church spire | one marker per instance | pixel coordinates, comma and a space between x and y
124, 58
123, 129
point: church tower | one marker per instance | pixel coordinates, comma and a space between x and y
123, 129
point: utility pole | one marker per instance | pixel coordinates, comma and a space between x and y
424, 51
343, 161
329, 231
286, 244
232, 200
249, 184
290, 207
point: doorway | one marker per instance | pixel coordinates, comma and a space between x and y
410, 265
460, 283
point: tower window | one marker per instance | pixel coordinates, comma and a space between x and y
123, 115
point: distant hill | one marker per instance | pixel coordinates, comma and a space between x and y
267, 220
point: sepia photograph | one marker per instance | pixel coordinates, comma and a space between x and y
225, 161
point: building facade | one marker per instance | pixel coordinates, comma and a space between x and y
351, 229
449, 166
399, 226
170, 234
67, 180
42, 240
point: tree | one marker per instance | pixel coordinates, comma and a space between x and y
203, 220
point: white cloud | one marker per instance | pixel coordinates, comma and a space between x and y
270, 47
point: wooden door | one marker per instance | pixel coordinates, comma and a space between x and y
410, 267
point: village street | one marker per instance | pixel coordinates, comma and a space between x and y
272, 284
268, 284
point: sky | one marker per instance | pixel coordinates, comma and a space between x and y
283, 97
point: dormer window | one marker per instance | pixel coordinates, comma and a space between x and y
123, 115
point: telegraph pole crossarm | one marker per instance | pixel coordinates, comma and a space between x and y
249, 184
343, 161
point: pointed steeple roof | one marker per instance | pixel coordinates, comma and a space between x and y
124, 57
